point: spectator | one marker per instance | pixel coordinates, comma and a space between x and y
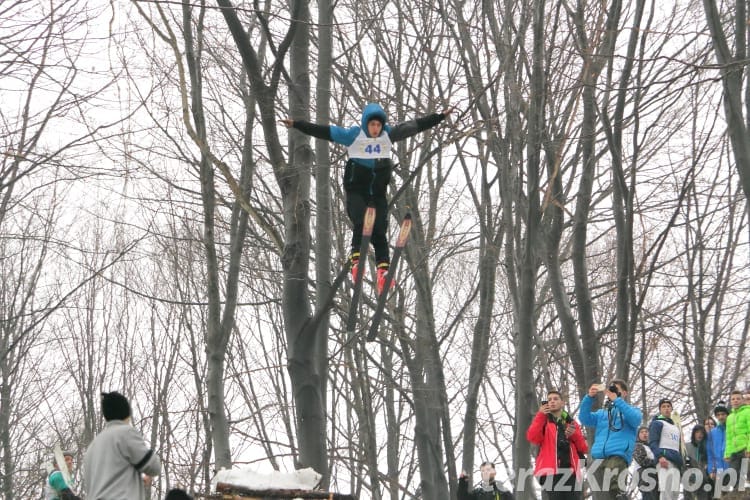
614, 440
709, 423
561, 445
645, 470
697, 456
487, 489
57, 488
118, 464
717, 439
737, 446
665, 440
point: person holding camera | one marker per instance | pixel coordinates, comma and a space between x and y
561, 445
487, 489
614, 440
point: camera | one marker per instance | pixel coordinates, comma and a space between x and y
544, 402
612, 388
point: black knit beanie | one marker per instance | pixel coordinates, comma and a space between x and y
721, 407
115, 406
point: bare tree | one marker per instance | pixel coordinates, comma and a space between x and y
304, 362
730, 48
44, 92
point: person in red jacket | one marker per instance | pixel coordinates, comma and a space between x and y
561, 446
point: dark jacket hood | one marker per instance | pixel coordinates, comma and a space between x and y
696, 429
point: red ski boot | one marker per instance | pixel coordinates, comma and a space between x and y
355, 265
383, 276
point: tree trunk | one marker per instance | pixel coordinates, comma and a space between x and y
304, 353
426, 372
8, 468
294, 182
525, 390
488, 261
216, 340
734, 75
589, 335
323, 225
219, 323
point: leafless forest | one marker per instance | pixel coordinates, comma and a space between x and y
582, 215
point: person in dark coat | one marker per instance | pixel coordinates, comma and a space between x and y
487, 489
646, 477
697, 461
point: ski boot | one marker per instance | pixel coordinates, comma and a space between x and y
382, 276
354, 259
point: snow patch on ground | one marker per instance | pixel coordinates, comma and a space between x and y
246, 477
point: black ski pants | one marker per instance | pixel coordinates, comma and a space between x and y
356, 205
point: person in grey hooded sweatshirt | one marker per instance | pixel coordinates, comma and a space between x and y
118, 464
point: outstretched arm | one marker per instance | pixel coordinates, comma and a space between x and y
313, 129
412, 127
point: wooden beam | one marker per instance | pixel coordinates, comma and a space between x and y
248, 494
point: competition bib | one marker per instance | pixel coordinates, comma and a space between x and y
370, 147
670, 437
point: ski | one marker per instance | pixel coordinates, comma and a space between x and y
369, 222
403, 236
62, 466
677, 421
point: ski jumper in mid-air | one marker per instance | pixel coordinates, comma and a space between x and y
368, 172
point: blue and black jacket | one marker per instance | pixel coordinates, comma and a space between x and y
368, 176
655, 430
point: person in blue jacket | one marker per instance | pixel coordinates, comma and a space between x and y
615, 426
717, 440
665, 440
368, 171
